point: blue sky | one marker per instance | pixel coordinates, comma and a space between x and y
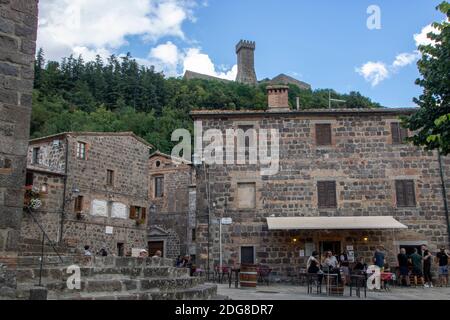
324, 43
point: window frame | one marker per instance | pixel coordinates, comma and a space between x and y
35, 155
110, 177
320, 138
156, 194
329, 203
78, 205
401, 187
238, 193
81, 150
398, 133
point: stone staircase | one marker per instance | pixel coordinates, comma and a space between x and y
112, 278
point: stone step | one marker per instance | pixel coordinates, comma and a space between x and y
199, 292
60, 273
115, 286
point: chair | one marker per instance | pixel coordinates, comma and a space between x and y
264, 274
358, 281
314, 280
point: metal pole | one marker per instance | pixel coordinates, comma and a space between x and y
220, 244
42, 259
444, 194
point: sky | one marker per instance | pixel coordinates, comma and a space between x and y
352, 45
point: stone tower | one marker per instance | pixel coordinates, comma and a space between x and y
245, 51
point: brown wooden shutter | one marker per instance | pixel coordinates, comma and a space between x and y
321, 194
133, 212
331, 194
323, 134
410, 194
400, 190
144, 214
403, 134
396, 139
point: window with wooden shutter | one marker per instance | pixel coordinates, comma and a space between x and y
399, 134
406, 195
143, 214
133, 215
323, 134
326, 194
78, 204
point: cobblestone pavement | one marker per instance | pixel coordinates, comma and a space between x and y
291, 292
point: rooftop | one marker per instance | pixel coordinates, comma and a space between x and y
74, 134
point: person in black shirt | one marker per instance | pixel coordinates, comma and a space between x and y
403, 266
427, 258
442, 260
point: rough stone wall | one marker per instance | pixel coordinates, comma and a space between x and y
18, 27
123, 154
51, 156
245, 51
363, 162
172, 210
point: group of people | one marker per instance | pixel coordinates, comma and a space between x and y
329, 264
421, 266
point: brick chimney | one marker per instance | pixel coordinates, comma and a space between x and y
278, 96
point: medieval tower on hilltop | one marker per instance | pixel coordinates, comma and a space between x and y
245, 51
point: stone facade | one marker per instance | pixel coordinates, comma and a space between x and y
173, 213
245, 51
362, 160
110, 213
18, 28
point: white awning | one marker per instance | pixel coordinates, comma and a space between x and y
334, 223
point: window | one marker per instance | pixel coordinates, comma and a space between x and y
138, 213
35, 159
81, 150
6, 164
78, 204
247, 255
406, 196
399, 134
326, 194
29, 179
159, 187
247, 139
110, 177
246, 195
323, 134
194, 236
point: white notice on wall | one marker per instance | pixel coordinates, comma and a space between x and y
99, 208
109, 230
349, 248
302, 253
119, 210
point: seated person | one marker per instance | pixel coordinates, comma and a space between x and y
313, 266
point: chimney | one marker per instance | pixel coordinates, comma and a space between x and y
278, 96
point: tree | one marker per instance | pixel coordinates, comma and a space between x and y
432, 121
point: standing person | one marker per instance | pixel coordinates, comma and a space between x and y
361, 266
345, 266
416, 260
442, 260
427, 259
403, 266
379, 257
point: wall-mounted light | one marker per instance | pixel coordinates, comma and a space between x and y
294, 240
366, 239
44, 188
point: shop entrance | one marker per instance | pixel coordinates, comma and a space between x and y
333, 246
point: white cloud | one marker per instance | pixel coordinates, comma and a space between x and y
166, 53
195, 60
422, 39
89, 26
404, 59
374, 72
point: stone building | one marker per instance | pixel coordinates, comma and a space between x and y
18, 25
346, 181
172, 194
93, 188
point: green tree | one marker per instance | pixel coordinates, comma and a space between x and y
432, 121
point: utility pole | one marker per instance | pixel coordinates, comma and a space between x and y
333, 100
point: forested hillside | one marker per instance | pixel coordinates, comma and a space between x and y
121, 95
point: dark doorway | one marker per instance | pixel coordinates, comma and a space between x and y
154, 246
333, 246
120, 249
247, 255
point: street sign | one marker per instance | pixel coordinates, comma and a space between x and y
226, 221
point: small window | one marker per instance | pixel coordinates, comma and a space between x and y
194, 234
35, 159
7, 164
247, 255
81, 150
399, 134
29, 179
78, 204
406, 196
326, 194
158, 163
323, 134
246, 195
159, 187
110, 177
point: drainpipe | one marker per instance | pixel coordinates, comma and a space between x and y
444, 194
66, 170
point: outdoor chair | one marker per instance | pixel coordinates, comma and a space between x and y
313, 280
264, 274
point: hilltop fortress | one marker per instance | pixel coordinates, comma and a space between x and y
245, 51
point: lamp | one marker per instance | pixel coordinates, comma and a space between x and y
44, 188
